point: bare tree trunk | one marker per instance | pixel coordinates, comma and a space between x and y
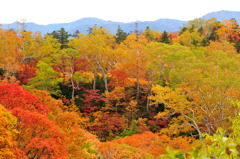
147, 106
73, 89
207, 123
148, 100
200, 134
103, 74
195, 125
138, 85
94, 81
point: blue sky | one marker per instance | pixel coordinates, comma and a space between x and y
60, 11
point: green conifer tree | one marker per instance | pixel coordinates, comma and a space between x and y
165, 38
120, 35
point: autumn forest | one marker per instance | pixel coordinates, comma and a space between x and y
138, 95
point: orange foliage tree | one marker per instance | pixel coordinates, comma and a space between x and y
79, 143
44, 129
228, 28
16, 49
143, 145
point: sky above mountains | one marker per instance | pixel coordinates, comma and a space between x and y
64, 11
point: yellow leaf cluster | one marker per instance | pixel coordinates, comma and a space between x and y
7, 132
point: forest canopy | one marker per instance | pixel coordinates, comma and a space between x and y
143, 94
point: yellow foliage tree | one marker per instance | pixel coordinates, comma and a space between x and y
132, 110
97, 48
115, 98
7, 133
190, 38
134, 55
175, 102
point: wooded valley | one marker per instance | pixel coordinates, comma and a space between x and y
132, 95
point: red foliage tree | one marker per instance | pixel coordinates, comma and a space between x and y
234, 37
38, 136
118, 78
109, 126
172, 36
155, 125
14, 96
26, 71
91, 101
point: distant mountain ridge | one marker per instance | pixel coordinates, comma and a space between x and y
83, 25
169, 25
223, 15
